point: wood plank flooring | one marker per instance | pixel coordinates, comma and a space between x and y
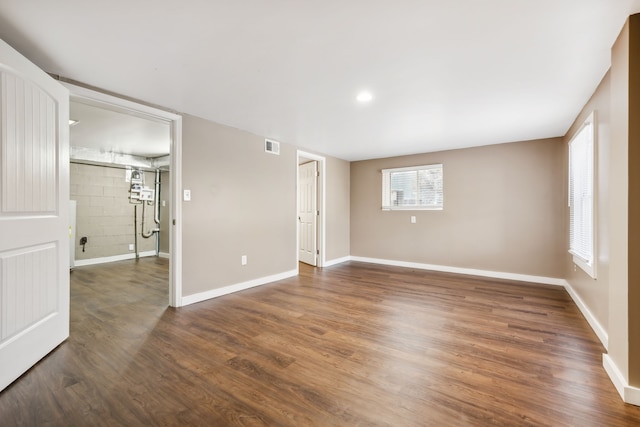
351, 345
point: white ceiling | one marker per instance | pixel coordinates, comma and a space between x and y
444, 74
109, 131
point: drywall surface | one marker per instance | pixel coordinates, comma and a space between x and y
243, 202
503, 210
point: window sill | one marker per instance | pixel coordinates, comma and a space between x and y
585, 266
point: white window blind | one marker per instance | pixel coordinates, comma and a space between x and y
581, 197
413, 188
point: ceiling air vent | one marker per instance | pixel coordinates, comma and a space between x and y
271, 146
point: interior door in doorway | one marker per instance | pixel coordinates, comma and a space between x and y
308, 212
34, 222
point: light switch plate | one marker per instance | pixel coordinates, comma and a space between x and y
187, 195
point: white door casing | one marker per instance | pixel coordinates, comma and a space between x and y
308, 212
34, 223
115, 103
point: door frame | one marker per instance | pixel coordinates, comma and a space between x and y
321, 194
175, 121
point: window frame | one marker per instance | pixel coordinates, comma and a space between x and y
589, 266
386, 188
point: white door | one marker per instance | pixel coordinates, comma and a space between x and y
34, 224
308, 211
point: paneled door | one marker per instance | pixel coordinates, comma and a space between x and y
34, 201
308, 212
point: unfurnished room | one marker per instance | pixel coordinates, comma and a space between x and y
410, 213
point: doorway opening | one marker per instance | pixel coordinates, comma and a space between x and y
310, 206
133, 153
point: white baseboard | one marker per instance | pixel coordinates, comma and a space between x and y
628, 393
470, 271
214, 293
337, 261
103, 260
591, 319
164, 255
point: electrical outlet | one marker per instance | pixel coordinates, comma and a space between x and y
164, 203
187, 195
243, 261
130, 246
413, 219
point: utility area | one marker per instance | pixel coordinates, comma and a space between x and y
118, 161
141, 195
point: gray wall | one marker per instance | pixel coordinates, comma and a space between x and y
104, 214
503, 211
338, 198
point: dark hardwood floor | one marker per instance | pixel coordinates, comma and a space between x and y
351, 345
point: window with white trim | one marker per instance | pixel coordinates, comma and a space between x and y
413, 188
582, 197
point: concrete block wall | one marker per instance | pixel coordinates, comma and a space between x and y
104, 214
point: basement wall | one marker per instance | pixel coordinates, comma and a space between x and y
104, 214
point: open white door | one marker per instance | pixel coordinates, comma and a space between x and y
308, 212
34, 203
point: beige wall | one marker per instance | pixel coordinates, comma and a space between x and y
243, 202
503, 211
633, 288
618, 195
624, 276
165, 211
338, 200
594, 293
104, 214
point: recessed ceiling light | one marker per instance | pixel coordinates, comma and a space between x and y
364, 97
72, 122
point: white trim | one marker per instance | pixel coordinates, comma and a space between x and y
591, 319
413, 168
588, 266
628, 393
469, 271
614, 374
175, 237
175, 121
106, 259
337, 261
214, 293
322, 163
164, 255
387, 203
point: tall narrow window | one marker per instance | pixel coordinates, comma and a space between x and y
412, 188
582, 198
